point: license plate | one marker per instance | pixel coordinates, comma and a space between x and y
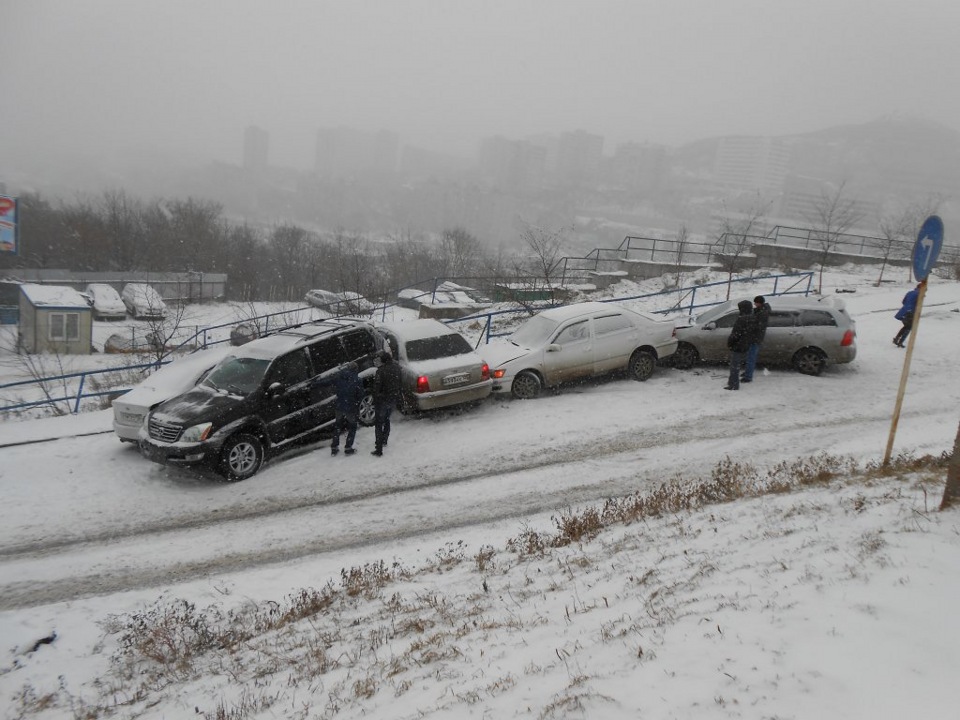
131, 418
456, 379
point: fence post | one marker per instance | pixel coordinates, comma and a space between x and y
776, 280
693, 299
76, 405
489, 321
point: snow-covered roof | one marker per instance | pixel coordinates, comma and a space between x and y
57, 296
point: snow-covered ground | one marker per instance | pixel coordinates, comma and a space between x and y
832, 601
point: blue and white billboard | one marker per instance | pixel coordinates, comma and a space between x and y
8, 225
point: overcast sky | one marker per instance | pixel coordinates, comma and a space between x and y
191, 74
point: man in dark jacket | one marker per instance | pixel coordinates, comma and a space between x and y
761, 313
905, 315
386, 393
741, 336
349, 394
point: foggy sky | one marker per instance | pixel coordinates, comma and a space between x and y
187, 76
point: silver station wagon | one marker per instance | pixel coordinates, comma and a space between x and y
807, 333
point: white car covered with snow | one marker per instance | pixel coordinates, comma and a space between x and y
175, 378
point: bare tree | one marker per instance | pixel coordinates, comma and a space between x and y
738, 231
831, 217
459, 252
899, 229
951, 492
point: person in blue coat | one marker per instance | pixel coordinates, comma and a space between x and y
905, 315
349, 394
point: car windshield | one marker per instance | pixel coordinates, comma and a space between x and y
437, 347
712, 314
240, 376
534, 332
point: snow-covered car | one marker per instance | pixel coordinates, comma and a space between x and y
578, 341
143, 302
339, 303
439, 368
105, 301
130, 409
806, 333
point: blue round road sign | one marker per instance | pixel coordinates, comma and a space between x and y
927, 248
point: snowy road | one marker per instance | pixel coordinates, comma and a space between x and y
117, 522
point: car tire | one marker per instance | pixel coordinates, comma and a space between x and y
368, 411
526, 385
642, 365
809, 361
686, 356
241, 457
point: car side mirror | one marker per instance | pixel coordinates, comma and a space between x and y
274, 389
553, 347
710, 326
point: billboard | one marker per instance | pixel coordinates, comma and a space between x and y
8, 225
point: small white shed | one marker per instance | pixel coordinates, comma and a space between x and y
54, 319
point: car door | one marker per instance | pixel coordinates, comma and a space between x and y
614, 338
783, 337
710, 339
286, 407
326, 356
570, 355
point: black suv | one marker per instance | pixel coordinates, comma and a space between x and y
261, 398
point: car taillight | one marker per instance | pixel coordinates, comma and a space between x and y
484, 372
848, 337
423, 385
498, 373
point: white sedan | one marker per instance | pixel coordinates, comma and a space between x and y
578, 341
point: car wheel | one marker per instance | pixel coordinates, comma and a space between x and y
526, 385
368, 411
809, 361
407, 404
642, 364
685, 357
241, 457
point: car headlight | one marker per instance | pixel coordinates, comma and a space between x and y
197, 433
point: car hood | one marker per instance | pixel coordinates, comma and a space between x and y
113, 306
202, 404
500, 353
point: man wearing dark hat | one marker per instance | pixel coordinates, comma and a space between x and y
761, 313
739, 341
386, 393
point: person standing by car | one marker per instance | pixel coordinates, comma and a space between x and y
761, 313
741, 337
386, 393
905, 315
349, 394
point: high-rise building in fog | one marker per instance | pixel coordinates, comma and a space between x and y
346, 152
512, 164
255, 146
752, 163
578, 157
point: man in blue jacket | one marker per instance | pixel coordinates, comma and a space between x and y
905, 315
349, 394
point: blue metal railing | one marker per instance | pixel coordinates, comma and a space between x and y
686, 301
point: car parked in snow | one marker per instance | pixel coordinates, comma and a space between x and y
339, 303
262, 398
578, 341
143, 302
807, 333
174, 378
439, 368
105, 301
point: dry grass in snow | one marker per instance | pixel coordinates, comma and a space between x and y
812, 589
